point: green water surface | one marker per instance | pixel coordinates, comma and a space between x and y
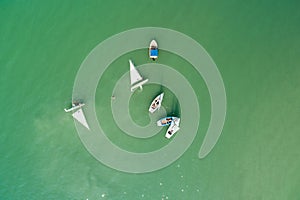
256, 48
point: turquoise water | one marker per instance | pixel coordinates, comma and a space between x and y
255, 46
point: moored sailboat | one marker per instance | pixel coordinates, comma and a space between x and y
156, 103
136, 80
78, 114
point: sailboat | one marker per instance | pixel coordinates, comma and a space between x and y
156, 103
153, 50
136, 79
78, 114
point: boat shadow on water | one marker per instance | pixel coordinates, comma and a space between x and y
172, 106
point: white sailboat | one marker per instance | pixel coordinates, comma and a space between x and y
156, 103
78, 115
136, 79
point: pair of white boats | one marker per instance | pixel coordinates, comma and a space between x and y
172, 122
136, 81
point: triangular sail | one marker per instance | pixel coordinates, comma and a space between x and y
136, 79
134, 74
79, 116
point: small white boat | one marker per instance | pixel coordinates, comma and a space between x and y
136, 79
156, 103
153, 50
78, 114
167, 121
75, 106
172, 129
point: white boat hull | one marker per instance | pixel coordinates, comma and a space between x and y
172, 130
138, 85
153, 46
74, 107
167, 121
156, 103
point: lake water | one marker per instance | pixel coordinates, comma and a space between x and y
256, 48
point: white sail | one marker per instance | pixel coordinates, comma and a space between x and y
134, 74
79, 116
136, 79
